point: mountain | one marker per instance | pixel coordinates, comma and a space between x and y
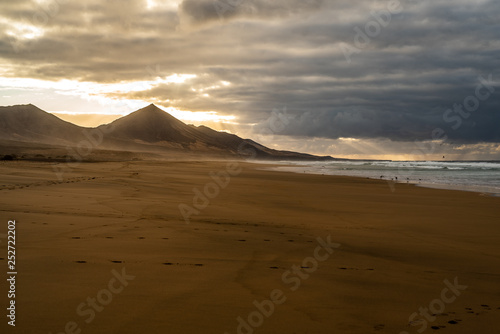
151, 125
28, 123
149, 129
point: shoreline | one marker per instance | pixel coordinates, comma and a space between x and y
491, 191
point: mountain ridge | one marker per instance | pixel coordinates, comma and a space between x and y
149, 129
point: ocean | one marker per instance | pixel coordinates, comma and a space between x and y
478, 176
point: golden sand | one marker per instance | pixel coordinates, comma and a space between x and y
106, 249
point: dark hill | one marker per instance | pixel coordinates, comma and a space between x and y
145, 130
28, 123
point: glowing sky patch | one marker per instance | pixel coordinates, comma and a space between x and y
21, 30
199, 117
102, 94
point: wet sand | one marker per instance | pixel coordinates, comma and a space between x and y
106, 249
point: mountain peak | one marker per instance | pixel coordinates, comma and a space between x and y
151, 107
151, 124
152, 112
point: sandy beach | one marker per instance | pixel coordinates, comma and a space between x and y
224, 247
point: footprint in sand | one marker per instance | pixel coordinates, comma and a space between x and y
117, 261
273, 267
379, 327
80, 261
141, 237
242, 240
75, 238
437, 327
183, 264
109, 237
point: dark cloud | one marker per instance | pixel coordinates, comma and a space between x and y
397, 86
202, 11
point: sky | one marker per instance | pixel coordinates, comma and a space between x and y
402, 80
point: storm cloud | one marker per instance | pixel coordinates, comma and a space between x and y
398, 71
